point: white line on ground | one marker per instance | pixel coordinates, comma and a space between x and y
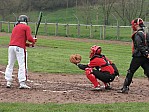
59, 91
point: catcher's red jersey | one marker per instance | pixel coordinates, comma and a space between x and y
98, 62
20, 34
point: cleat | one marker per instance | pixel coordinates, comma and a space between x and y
8, 85
124, 90
23, 86
98, 88
108, 88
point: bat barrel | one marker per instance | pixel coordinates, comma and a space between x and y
38, 23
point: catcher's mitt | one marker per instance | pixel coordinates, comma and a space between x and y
75, 58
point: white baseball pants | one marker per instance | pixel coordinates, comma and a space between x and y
15, 52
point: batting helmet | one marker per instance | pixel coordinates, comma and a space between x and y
23, 18
95, 50
137, 21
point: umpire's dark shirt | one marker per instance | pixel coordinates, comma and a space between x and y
139, 41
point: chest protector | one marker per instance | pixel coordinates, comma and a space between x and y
116, 72
145, 40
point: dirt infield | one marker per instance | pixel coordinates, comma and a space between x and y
62, 88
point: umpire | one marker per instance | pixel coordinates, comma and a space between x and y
140, 53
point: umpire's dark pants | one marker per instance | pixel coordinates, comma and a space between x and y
136, 62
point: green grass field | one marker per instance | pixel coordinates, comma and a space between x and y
52, 56
116, 107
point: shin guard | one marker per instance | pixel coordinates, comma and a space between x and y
91, 77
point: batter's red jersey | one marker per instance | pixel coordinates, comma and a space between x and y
98, 62
20, 34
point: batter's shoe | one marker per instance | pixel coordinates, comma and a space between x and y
23, 86
8, 85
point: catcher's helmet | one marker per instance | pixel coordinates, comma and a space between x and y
23, 18
137, 21
95, 50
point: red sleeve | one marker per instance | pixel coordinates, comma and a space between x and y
29, 36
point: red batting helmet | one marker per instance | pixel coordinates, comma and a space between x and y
136, 22
95, 50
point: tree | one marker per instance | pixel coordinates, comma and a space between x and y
5, 8
130, 9
107, 8
85, 11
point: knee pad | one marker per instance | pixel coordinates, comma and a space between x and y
88, 71
91, 77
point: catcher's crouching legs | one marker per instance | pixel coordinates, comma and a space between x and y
91, 77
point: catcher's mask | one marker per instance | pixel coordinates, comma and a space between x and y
136, 22
23, 18
95, 50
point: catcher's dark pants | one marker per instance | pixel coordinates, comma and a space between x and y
104, 76
136, 62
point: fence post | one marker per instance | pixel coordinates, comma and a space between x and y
91, 31
78, 30
8, 27
104, 32
0, 26
67, 30
100, 32
118, 32
45, 27
56, 29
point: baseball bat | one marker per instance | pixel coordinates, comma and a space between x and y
38, 23
26, 67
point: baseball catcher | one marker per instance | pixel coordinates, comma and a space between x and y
99, 67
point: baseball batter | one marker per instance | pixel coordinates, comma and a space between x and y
21, 33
